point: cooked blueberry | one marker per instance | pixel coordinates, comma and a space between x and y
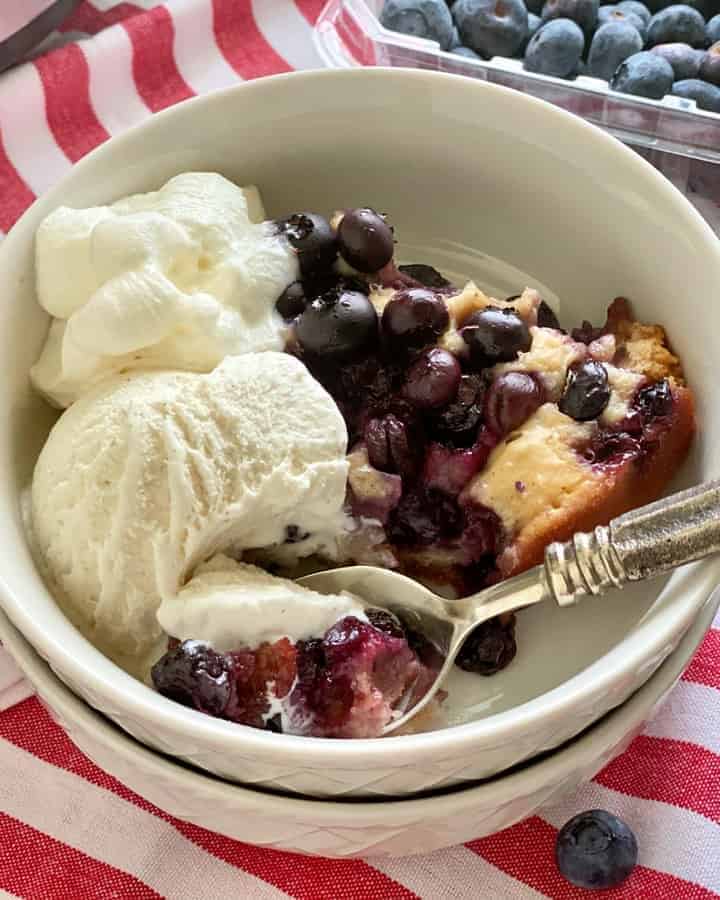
712, 30
637, 8
420, 18
645, 75
596, 850
365, 240
654, 401
466, 51
611, 44
337, 325
496, 335
710, 66
587, 391
491, 27
583, 12
707, 96
555, 49
394, 444
677, 23
433, 379
609, 14
312, 238
427, 275
685, 60
546, 317
194, 674
458, 423
292, 301
511, 399
586, 333
414, 318
423, 517
384, 620
490, 648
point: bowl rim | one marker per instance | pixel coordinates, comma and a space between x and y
138, 700
607, 732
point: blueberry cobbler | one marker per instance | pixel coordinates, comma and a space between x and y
243, 394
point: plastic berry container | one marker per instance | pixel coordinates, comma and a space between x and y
679, 139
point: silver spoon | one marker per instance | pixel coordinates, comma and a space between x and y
641, 544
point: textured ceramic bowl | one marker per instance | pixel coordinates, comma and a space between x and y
543, 198
371, 828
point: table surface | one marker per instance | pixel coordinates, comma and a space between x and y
114, 64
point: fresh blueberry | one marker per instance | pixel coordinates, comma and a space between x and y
491, 27
312, 238
420, 18
586, 393
432, 381
365, 240
456, 42
466, 51
710, 65
610, 13
611, 45
292, 301
685, 60
337, 325
712, 30
414, 318
496, 335
707, 96
637, 8
555, 49
534, 24
596, 850
677, 23
584, 12
510, 400
645, 75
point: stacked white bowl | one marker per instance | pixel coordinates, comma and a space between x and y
484, 183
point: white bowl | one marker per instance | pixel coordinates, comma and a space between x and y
457, 164
369, 829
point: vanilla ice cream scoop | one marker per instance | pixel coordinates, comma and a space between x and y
148, 475
231, 605
176, 279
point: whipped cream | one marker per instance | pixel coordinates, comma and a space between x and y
178, 278
231, 605
148, 475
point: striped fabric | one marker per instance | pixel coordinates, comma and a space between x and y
68, 830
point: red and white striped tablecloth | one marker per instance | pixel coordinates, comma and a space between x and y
71, 832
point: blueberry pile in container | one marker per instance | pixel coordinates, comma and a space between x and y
646, 49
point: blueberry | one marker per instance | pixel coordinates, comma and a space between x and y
195, 675
456, 42
365, 240
685, 61
546, 317
712, 30
610, 13
490, 647
386, 621
491, 27
394, 444
466, 51
496, 335
534, 24
611, 44
584, 12
654, 401
414, 318
337, 324
555, 49
707, 96
511, 399
312, 238
292, 301
637, 8
586, 393
425, 274
596, 850
679, 23
420, 18
432, 381
710, 65
644, 74
535, 6
458, 423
